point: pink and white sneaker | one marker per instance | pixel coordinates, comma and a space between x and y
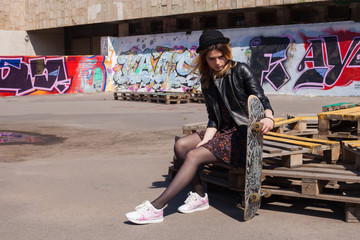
194, 203
146, 213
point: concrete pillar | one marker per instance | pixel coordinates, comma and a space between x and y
123, 29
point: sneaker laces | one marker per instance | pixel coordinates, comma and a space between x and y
143, 206
191, 197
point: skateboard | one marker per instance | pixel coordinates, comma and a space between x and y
254, 151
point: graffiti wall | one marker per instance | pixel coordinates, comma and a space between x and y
52, 75
311, 59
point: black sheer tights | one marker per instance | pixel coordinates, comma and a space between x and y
190, 158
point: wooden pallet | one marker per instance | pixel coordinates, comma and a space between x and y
297, 125
288, 155
351, 152
197, 97
156, 97
329, 150
338, 183
338, 106
169, 98
132, 96
317, 181
299, 178
340, 124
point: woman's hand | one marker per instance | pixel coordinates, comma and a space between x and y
209, 134
268, 124
202, 143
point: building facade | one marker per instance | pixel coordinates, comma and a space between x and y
64, 27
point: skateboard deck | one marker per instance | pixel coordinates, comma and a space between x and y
254, 151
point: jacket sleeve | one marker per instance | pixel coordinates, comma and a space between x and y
212, 121
253, 87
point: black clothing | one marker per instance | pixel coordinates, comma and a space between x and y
235, 88
229, 143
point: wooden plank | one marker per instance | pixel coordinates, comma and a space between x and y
285, 153
281, 145
267, 149
326, 142
287, 121
295, 142
355, 143
305, 168
332, 166
281, 121
309, 175
322, 196
342, 114
214, 180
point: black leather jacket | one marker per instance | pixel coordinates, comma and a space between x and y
235, 88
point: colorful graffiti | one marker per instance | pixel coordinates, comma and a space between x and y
313, 59
268, 56
51, 75
155, 69
330, 61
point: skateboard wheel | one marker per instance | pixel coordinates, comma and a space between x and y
267, 193
258, 126
255, 197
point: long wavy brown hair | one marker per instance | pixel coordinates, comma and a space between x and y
201, 68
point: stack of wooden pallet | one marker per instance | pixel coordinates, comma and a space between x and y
297, 166
195, 96
168, 97
155, 97
343, 124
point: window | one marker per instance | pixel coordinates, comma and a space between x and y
268, 17
303, 15
183, 24
134, 28
210, 22
157, 26
339, 12
236, 20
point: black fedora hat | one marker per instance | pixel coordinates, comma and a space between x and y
211, 37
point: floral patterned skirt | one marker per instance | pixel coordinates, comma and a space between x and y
230, 145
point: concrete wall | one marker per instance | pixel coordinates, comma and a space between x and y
12, 15
44, 14
307, 59
15, 42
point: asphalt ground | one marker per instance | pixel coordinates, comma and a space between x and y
104, 157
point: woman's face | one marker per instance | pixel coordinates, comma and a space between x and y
216, 60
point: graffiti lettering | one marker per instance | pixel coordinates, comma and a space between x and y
268, 55
323, 65
39, 74
49, 75
158, 69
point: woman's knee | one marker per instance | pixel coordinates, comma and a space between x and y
200, 156
183, 145
193, 157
